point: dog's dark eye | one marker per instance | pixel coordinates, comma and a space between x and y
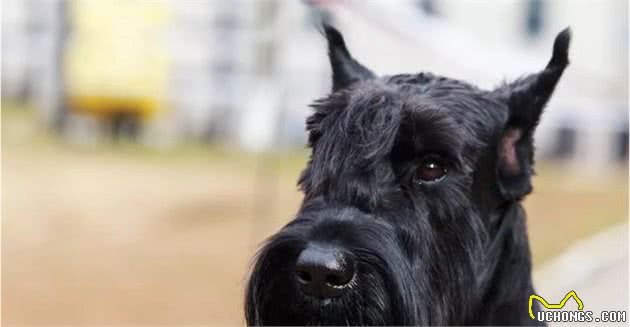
430, 169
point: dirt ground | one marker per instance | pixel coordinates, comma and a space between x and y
128, 235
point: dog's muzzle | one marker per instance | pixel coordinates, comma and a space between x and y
333, 267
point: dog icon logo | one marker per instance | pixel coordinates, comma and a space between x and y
548, 305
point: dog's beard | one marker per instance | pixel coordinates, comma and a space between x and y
385, 292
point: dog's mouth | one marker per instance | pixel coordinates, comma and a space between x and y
291, 306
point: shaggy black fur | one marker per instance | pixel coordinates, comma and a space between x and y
453, 251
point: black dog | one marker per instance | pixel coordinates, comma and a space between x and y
411, 211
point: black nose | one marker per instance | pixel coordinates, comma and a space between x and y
324, 271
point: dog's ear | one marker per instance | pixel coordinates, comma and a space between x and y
526, 99
345, 69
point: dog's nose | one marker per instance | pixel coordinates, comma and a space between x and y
324, 272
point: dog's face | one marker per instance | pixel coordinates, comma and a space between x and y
406, 175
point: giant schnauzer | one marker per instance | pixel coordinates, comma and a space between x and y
412, 208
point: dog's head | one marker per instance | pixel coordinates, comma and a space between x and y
405, 177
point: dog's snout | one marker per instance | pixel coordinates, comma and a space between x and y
324, 272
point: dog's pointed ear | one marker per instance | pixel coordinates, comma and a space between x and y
526, 99
345, 69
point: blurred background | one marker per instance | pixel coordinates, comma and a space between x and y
148, 147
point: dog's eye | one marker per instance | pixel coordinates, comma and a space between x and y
430, 169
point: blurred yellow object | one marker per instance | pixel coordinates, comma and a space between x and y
117, 58
104, 106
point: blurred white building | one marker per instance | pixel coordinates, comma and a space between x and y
244, 72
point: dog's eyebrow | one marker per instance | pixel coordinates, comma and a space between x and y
431, 130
